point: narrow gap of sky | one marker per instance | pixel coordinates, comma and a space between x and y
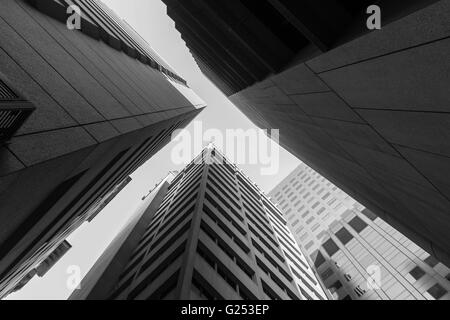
149, 18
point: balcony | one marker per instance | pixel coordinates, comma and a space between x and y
13, 112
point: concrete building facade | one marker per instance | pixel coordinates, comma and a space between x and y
356, 254
367, 109
215, 235
80, 110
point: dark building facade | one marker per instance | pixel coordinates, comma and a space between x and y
214, 235
369, 110
80, 110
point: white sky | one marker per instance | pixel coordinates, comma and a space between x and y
149, 19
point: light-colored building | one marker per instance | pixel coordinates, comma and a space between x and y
356, 254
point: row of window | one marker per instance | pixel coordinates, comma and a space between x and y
224, 272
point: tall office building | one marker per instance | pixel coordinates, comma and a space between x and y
214, 235
357, 254
80, 110
368, 109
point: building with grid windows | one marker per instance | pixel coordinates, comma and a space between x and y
215, 235
368, 109
80, 110
352, 248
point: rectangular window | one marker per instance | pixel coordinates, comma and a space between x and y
326, 274
326, 196
431, 261
330, 247
357, 224
417, 273
344, 236
369, 214
317, 258
437, 291
309, 245
335, 286
311, 219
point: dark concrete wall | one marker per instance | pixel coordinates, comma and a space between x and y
99, 115
373, 116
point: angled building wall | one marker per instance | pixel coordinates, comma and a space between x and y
215, 236
100, 103
369, 110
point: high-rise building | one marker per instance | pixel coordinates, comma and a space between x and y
215, 235
80, 110
356, 253
367, 108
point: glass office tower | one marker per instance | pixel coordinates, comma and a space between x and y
356, 253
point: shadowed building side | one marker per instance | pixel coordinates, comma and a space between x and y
369, 110
214, 236
80, 110
101, 279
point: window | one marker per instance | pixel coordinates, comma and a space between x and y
437, 291
305, 214
331, 201
330, 247
344, 236
335, 286
417, 273
291, 217
359, 292
326, 196
295, 222
321, 210
200, 293
309, 245
270, 293
304, 236
357, 224
298, 230
326, 274
321, 235
309, 220
369, 214
315, 205
431, 261
318, 258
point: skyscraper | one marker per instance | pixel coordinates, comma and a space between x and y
215, 235
80, 110
367, 108
357, 254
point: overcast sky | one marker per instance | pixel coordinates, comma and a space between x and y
149, 19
